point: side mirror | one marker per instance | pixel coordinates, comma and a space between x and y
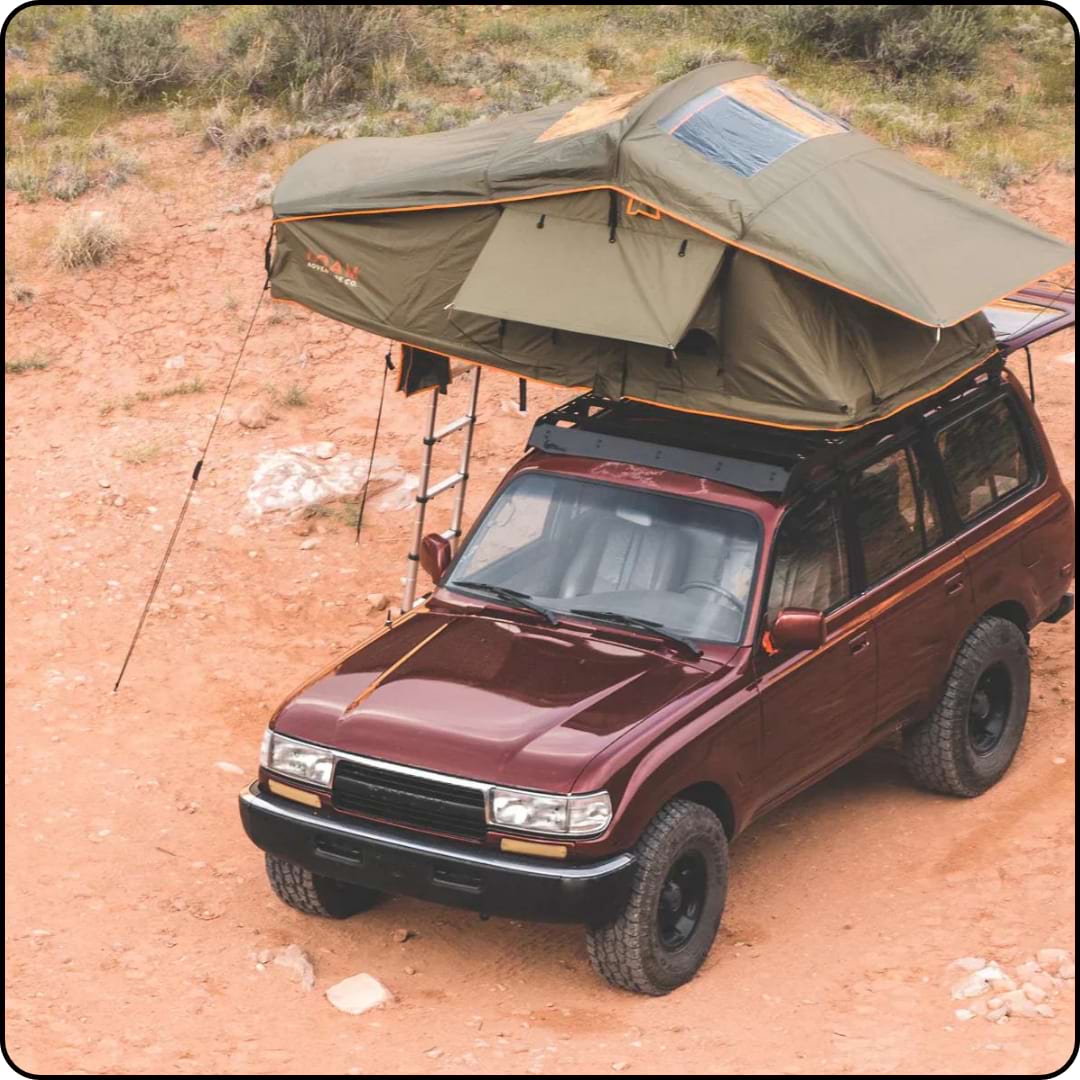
797, 629
435, 556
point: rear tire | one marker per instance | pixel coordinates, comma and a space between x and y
314, 894
665, 931
969, 741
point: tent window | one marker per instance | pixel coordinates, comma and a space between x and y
747, 124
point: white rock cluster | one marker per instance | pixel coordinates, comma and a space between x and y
990, 992
313, 475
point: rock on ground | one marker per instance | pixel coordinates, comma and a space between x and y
294, 959
359, 994
254, 415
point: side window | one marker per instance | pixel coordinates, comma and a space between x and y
810, 565
984, 458
894, 514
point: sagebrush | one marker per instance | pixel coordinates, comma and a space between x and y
130, 55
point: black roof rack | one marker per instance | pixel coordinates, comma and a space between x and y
744, 455
768, 460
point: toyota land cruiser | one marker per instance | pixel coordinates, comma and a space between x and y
661, 627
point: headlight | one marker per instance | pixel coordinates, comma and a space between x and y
302, 761
563, 815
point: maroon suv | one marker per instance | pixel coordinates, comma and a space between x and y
659, 628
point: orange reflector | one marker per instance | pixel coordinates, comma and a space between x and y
531, 847
308, 798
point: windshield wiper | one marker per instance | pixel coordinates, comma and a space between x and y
513, 597
632, 622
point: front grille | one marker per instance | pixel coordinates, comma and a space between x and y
409, 800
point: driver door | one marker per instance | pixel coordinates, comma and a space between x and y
818, 705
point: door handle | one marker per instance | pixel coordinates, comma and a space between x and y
954, 584
858, 644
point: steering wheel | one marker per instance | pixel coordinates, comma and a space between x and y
725, 594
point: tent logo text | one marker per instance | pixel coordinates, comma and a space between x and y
346, 273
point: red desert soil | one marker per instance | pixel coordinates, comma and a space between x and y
136, 905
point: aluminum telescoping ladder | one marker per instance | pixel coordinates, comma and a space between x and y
458, 480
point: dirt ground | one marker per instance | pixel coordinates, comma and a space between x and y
136, 905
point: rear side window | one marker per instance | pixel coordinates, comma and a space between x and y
985, 459
810, 567
894, 514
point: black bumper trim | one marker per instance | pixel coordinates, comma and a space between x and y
434, 869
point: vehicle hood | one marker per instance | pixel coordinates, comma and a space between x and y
493, 699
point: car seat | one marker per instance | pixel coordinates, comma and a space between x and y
619, 552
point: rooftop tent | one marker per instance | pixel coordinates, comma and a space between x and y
716, 245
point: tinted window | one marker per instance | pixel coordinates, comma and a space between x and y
984, 458
810, 566
894, 515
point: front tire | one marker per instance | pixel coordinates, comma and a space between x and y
314, 894
969, 741
665, 931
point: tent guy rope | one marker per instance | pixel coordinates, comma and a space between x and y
191, 486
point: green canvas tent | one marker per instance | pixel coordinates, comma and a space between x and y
716, 245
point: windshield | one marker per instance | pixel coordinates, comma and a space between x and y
572, 545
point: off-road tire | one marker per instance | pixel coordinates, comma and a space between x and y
940, 752
314, 894
628, 951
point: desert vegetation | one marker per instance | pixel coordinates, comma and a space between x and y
984, 93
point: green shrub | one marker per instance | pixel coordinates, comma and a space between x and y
993, 172
36, 106
67, 179
320, 54
118, 164
503, 32
603, 55
680, 60
130, 55
898, 39
389, 79
24, 178
34, 22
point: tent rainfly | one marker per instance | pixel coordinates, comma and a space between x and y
717, 245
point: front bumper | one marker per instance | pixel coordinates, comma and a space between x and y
394, 861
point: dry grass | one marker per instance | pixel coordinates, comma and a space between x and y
85, 240
142, 453
191, 386
36, 362
295, 397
